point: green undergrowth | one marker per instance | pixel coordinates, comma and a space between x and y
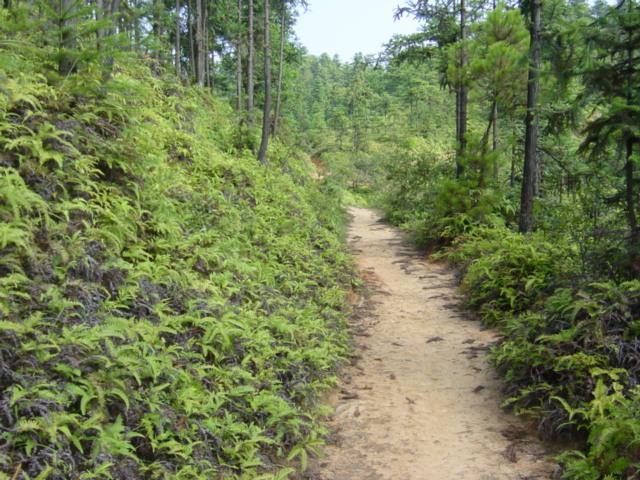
570, 353
168, 307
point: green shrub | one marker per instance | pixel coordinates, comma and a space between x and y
555, 360
508, 273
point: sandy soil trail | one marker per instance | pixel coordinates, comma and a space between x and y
419, 401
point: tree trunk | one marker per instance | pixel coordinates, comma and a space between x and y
250, 61
634, 238
137, 29
99, 31
266, 117
192, 48
512, 175
494, 113
178, 52
112, 12
208, 61
485, 147
115, 17
458, 172
157, 27
632, 220
283, 31
530, 170
494, 142
463, 96
494, 121
239, 59
200, 50
66, 40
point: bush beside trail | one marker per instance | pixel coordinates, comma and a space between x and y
570, 352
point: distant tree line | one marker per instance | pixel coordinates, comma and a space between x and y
231, 46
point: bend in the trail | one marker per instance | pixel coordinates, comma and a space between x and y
419, 401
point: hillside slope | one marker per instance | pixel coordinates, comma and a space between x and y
168, 307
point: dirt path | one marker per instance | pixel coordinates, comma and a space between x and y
419, 401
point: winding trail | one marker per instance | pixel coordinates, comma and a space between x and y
419, 401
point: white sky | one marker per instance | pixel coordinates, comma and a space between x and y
346, 27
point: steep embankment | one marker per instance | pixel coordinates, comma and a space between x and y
168, 308
420, 401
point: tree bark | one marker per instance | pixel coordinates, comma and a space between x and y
283, 29
157, 27
266, 117
457, 124
115, 14
137, 30
512, 174
494, 114
494, 142
200, 50
634, 238
250, 60
632, 219
192, 48
112, 12
463, 96
239, 59
66, 42
530, 170
178, 52
100, 12
208, 60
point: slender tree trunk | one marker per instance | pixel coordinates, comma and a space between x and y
463, 100
178, 52
157, 27
530, 170
512, 175
457, 89
65, 41
137, 31
485, 148
457, 124
266, 117
7, 4
283, 32
112, 12
239, 59
494, 120
250, 61
200, 50
630, 197
208, 62
100, 31
494, 142
192, 48
115, 17
630, 201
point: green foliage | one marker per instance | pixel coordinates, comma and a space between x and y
168, 307
565, 297
508, 273
574, 362
613, 438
